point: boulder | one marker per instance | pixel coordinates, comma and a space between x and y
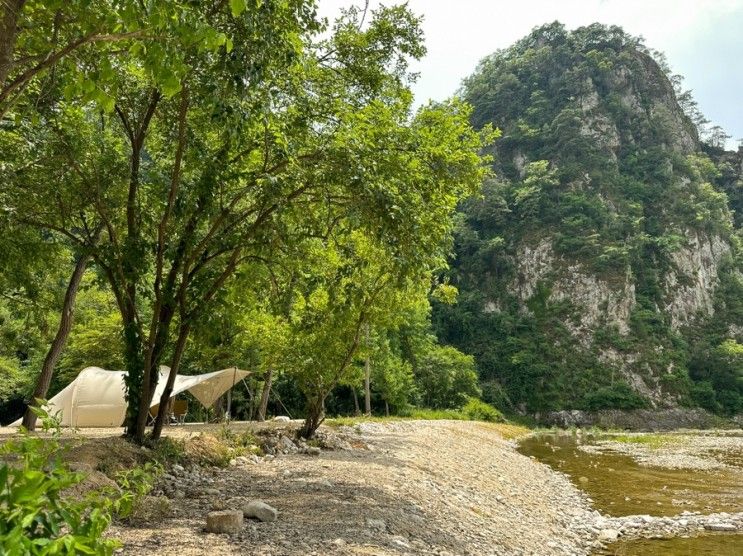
261, 511
224, 521
281, 418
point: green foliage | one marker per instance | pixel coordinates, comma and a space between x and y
446, 378
616, 396
167, 451
161, 151
35, 515
478, 410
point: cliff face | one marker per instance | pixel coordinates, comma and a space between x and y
601, 264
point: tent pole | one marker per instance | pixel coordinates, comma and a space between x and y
229, 394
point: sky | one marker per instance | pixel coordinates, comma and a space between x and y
703, 40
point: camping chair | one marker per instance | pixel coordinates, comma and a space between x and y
152, 415
179, 411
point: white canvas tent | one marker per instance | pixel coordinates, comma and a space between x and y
96, 397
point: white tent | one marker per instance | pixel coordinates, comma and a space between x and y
96, 397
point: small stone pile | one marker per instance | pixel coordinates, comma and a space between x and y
608, 529
277, 442
180, 482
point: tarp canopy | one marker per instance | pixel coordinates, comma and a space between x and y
96, 397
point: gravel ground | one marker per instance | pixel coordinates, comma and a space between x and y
426, 487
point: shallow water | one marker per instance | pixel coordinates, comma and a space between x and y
704, 545
620, 486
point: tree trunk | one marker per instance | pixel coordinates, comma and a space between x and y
60, 339
10, 11
367, 377
175, 364
134, 363
264, 395
315, 417
356, 408
386, 408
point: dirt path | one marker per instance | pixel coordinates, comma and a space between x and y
422, 487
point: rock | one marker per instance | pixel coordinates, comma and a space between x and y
282, 419
261, 511
720, 527
608, 535
224, 521
312, 451
401, 543
178, 468
376, 525
287, 446
583, 480
211, 492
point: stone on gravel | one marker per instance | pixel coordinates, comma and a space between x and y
287, 446
376, 525
281, 419
312, 451
608, 535
225, 521
720, 527
261, 511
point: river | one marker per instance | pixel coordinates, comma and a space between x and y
607, 468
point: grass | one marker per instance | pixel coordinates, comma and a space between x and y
653, 441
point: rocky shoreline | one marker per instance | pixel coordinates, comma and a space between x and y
639, 419
418, 487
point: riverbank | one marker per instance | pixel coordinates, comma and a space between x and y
417, 487
397, 488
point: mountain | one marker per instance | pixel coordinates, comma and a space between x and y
601, 268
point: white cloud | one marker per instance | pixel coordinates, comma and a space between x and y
460, 33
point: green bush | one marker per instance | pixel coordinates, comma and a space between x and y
446, 378
478, 410
703, 395
616, 396
35, 516
167, 451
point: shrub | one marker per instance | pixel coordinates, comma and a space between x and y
703, 395
167, 451
616, 396
446, 378
478, 410
35, 517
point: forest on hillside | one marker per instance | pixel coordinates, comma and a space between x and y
601, 267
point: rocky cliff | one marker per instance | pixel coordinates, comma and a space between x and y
602, 267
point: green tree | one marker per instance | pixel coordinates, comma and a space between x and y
446, 378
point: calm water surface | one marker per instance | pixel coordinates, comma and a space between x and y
619, 486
